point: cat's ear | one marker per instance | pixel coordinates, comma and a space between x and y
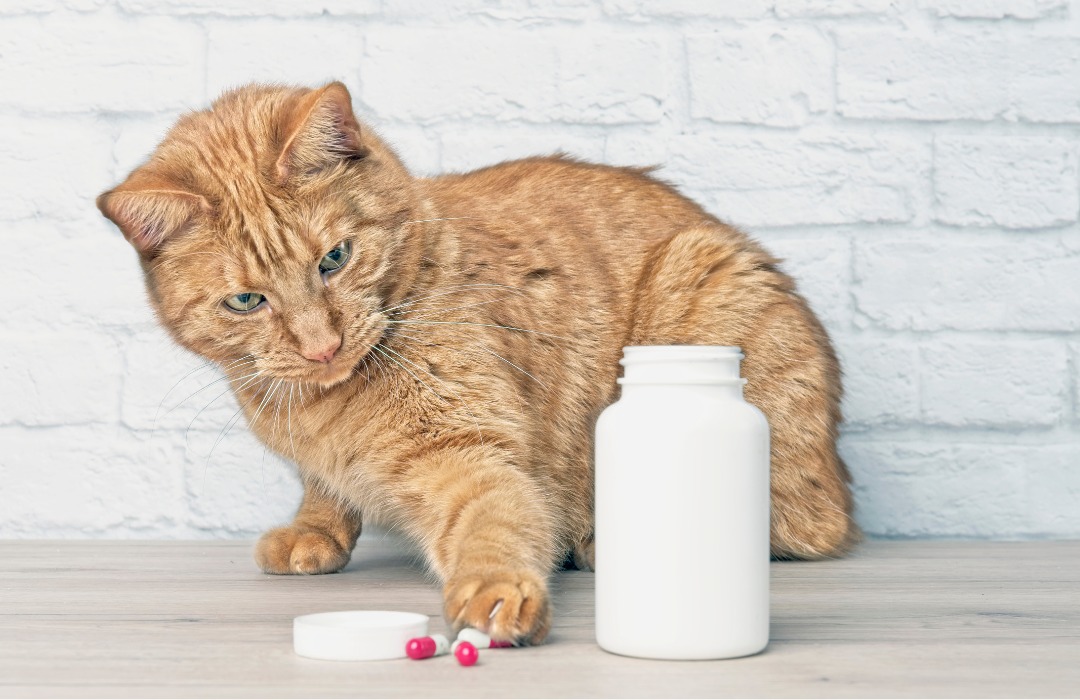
319, 131
149, 209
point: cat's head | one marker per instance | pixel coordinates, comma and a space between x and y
272, 228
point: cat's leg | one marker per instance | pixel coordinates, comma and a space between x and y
320, 539
487, 531
712, 285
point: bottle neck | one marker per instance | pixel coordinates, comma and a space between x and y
647, 365
642, 391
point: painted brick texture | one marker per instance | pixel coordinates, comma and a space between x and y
914, 162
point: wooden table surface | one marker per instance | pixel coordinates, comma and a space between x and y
139, 618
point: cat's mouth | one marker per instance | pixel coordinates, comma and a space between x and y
349, 364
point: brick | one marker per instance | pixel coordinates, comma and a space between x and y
417, 147
246, 8
169, 388
637, 146
881, 380
1074, 373
14, 7
922, 489
778, 76
832, 8
971, 74
57, 378
968, 282
137, 137
238, 488
1005, 181
650, 10
465, 149
996, 9
70, 276
1053, 490
821, 266
36, 149
300, 52
817, 177
79, 481
71, 63
518, 11
1004, 383
535, 76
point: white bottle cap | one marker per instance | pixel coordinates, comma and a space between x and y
357, 635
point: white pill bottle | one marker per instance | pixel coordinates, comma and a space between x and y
682, 509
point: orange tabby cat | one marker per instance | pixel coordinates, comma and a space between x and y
433, 353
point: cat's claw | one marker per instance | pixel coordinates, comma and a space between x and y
511, 606
296, 550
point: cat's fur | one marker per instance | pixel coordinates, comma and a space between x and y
500, 301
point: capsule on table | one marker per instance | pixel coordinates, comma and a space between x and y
480, 640
466, 653
427, 647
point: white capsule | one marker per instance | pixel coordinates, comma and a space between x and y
475, 636
479, 639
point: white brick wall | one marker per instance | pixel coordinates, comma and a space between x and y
914, 161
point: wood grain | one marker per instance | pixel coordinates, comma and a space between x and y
196, 619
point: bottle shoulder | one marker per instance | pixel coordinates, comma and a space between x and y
687, 407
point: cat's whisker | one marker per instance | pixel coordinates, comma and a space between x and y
427, 311
380, 370
233, 419
252, 378
481, 348
414, 375
157, 413
197, 391
453, 289
445, 218
292, 443
266, 399
195, 370
484, 325
207, 386
277, 411
435, 262
224, 433
366, 367
464, 404
232, 422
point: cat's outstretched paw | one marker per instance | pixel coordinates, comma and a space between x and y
509, 605
298, 550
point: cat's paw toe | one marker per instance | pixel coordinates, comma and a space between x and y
295, 550
509, 605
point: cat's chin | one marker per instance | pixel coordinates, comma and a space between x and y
332, 375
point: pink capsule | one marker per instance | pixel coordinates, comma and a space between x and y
466, 653
426, 647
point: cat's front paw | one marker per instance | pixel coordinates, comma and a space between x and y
298, 550
509, 605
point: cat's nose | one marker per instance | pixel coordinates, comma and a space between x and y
323, 355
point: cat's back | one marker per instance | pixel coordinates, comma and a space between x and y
564, 197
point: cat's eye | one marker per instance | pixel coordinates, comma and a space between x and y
242, 303
336, 258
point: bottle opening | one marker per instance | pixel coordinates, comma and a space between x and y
645, 353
